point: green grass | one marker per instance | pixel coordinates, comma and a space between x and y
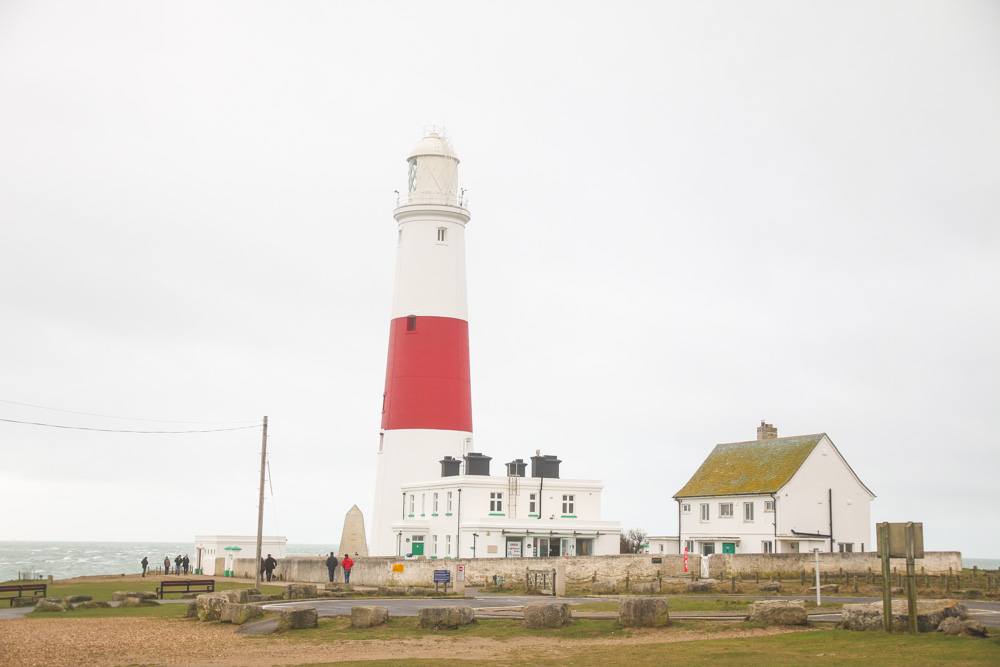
160, 611
102, 590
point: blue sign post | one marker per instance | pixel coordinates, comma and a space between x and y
442, 577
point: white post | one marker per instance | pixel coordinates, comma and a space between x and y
816, 551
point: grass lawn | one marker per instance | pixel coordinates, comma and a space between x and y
102, 590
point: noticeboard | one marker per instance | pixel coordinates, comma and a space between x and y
897, 540
442, 576
397, 567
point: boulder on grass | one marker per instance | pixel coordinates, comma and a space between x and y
25, 601
138, 602
192, 610
238, 614
930, 613
241, 595
649, 612
52, 604
368, 617
386, 591
300, 592
210, 606
93, 604
542, 615
118, 596
297, 618
970, 627
701, 586
79, 598
446, 618
778, 612
770, 587
646, 588
604, 587
825, 588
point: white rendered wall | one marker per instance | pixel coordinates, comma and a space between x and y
430, 274
749, 534
214, 546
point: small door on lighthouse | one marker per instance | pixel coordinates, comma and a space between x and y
418, 545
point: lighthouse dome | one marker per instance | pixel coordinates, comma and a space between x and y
433, 144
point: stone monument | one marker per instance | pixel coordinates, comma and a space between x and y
352, 540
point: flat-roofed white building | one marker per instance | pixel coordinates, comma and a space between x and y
214, 554
775, 495
467, 513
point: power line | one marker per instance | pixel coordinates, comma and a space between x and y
136, 419
115, 430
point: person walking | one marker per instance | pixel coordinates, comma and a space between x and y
186, 562
268, 566
331, 565
177, 565
145, 564
347, 564
166, 565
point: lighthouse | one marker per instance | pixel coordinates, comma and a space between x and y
427, 402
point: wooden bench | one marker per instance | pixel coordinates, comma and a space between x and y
19, 589
185, 586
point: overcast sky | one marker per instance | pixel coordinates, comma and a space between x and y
686, 218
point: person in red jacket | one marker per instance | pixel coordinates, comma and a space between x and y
347, 564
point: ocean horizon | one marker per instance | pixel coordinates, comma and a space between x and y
68, 559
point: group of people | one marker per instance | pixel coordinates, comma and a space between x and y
180, 564
346, 563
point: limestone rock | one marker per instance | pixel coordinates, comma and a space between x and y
386, 591
297, 618
646, 588
778, 612
138, 602
930, 614
79, 598
770, 587
93, 604
192, 610
300, 592
334, 586
368, 617
240, 595
649, 612
118, 596
446, 617
352, 538
210, 606
26, 601
604, 587
238, 614
969, 627
826, 588
541, 615
701, 586
52, 604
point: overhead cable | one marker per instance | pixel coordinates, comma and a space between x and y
136, 419
115, 430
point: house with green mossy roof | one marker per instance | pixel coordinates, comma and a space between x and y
775, 495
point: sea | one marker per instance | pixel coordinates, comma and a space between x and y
64, 560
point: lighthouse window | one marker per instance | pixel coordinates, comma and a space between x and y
413, 174
496, 502
442, 234
411, 323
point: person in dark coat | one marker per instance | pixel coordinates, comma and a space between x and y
347, 564
145, 564
185, 562
331, 565
166, 565
177, 564
268, 566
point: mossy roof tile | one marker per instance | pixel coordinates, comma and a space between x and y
757, 466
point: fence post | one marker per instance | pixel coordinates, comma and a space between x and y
733, 581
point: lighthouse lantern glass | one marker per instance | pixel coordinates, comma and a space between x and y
413, 174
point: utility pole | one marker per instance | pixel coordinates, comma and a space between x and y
260, 505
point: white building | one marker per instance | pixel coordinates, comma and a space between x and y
467, 513
210, 550
775, 495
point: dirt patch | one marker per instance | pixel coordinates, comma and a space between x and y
130, 641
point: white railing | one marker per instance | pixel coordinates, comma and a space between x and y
436, 198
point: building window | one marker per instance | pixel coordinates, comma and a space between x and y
688, 546
725, 509
686, 508
768, 505
423, 503
568, 504
704, 511
767, 547
434, 545
442, 235
707, 548
411, 504
661, 547
411, 323
531, 504
447, 545
748, 511
449, 502
435, 502
412, 180
496, 501
846, 547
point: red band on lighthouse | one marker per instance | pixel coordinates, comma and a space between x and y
427, 378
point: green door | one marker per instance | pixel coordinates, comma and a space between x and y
418, 548
728, 547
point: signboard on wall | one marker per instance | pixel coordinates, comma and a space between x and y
461, 573
397, 567
513, 548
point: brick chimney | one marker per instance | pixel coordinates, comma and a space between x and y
767, 431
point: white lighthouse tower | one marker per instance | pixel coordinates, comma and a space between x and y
427, 404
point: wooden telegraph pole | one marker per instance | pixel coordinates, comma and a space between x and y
883, 548
260, 505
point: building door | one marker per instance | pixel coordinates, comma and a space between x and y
728, 547
418, 545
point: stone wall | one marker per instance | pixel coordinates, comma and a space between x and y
378, 571
727, 565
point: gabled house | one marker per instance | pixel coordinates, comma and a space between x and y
774, 495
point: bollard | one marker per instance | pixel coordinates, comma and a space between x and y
975, 571
626, 580
733, 581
